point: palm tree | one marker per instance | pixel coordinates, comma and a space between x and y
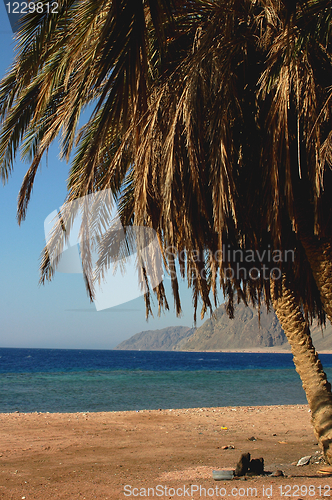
199, 129
297, 85
210, 84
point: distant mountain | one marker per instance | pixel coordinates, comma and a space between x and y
322, 338
243, 332
157, 340
219, 332
246, 332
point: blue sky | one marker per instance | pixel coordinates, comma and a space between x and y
58, 314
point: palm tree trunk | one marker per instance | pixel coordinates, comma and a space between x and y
307, 365
319, 254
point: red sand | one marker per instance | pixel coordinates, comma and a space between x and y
170, 453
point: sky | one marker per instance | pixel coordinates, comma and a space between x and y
58, 314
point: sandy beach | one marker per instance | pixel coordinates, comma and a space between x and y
119, 455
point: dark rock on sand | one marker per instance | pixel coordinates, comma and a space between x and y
256, 466
242, 465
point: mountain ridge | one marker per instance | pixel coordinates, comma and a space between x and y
246, 331
157, 340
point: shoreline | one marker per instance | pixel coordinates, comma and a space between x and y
260, 350
159, 411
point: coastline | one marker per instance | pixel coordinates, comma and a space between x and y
94, 455
262, 350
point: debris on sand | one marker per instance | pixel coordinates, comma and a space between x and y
242, 465
277, 473
304, 461
253, 467
256, 466
325, 471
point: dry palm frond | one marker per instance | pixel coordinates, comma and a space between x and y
200, 128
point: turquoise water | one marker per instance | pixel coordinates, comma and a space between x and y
104, 391
175, 384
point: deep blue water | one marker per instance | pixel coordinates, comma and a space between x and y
90, 380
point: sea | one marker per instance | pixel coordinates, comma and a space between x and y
70, 380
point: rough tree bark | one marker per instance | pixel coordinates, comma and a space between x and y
307, 365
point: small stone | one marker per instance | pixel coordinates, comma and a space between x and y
252, 438
304, 461
277, 473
